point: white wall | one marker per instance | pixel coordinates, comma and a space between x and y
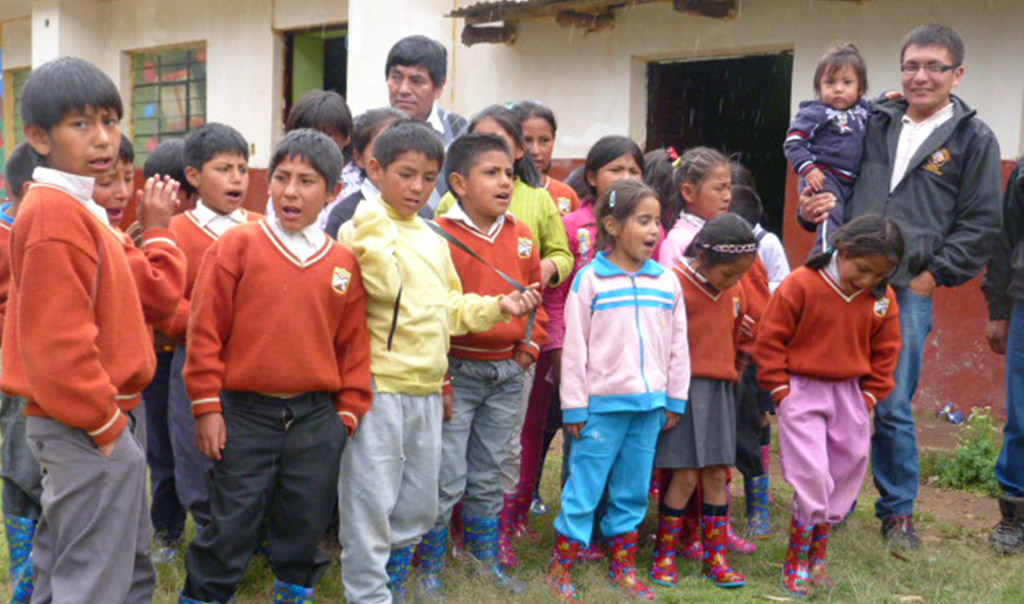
596, 83
298, 14
17, 43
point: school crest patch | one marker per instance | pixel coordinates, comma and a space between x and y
340, 280
525, 247
938, 160
564, 205
736, 306
585, 242
882, 307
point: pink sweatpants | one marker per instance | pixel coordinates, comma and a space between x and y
825, 439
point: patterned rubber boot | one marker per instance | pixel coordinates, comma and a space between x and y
563, 558
183, 600
766, 460
506, 552
759, 513
430, 561
594, 553
398, 568
737, 544
690, 537
20, 532
819, 551
286, 593
715, 565
664, 570
482, 544
796, 572
521, 528
622, 567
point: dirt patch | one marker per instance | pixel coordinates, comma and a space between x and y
936, 434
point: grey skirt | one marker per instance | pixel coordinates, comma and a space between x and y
706, 434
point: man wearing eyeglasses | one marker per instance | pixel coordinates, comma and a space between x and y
931, 165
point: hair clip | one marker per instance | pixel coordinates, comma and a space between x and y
733, 248
611, 200
510, 105
677, 162
673, 154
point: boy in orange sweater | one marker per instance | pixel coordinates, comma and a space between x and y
279, 374
78, 348
487, 367
216, 161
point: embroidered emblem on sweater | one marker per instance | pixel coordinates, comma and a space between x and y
585, 243
736, 307
564, 205
882, 307
937, 160
340, 280
525, 247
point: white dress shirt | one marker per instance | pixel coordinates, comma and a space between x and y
80, 187
304, 244
457, 213
912, 135
215, 221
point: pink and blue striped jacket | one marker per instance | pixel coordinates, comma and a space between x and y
625, 342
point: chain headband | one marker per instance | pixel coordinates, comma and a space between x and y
731, 248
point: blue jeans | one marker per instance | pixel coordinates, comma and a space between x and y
894, 455
1010, 467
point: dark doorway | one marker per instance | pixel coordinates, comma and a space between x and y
737, 105
314, 59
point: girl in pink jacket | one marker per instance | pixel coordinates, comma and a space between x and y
625, 377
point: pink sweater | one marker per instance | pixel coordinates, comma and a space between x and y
581, 227
637, 357
673, 248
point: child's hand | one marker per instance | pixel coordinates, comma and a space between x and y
575, 429
671, 419
211, 435
548, 271
518, 304
448, 399
747, 325
815, 178
108, 449
893, 95
523, 359
997, 333
157, 202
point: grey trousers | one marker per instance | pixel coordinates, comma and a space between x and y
475, 441
510, 467
387, 490
92, 542
193, 471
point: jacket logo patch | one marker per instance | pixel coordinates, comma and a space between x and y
525, 247
585, 243
936, 161
340, 280
736, 306
564, 205
882, 307
842, 122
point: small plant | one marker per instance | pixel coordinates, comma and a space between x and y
973, 466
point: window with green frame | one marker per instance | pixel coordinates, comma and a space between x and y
168, 96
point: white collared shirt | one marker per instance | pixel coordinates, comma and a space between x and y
457, 213
912, 135
434, 120
304, 243
215, 221
368, 189
79, 187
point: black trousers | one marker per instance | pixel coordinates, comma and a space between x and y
282, 459
751, 434
166, 513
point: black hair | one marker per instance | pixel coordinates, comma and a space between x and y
741, 175
313, 147
126, 152
526, 110
606, 150
524, 167
323, 110
867, 235
63, 85
722, 240
840, 57
206, 141
934, 34
20, 164
419, 51
619, 202
167, 160
658, 176
369, 124
465, 152
695, 166
406, 137
577, 180
746, 204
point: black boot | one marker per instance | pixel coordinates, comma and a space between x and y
1008, 536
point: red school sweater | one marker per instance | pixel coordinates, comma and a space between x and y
514, 251
5, 271
75, 340
714, 319
812, 328
193, 240
159, 268
264, 321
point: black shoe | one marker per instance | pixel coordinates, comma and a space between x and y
899, 531
1008, 536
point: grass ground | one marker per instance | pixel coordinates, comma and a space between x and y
954, 566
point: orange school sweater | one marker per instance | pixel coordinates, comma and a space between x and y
262, 321
714, 319
514, 251
565, 197
159, 269
5, 271
75, 340
756, 292
193, 240
811, 328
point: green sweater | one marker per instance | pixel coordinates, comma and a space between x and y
535, 207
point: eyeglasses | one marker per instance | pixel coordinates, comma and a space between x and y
933, 68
